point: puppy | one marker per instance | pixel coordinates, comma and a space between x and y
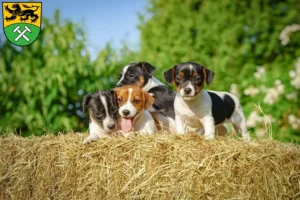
140, 74
194, 105
103, 111
133, 104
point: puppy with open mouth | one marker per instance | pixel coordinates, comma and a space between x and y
141, 74
133, 103
103, 112
196, 107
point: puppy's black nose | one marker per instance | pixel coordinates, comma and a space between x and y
187, 90
126, 112
119, 85
111, 126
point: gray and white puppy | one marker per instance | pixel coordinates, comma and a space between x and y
103, 112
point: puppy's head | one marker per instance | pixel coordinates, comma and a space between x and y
132, 101
103, 109
135, 74
189, 78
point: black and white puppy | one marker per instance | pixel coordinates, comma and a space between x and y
195, 106
103, 112
141, 74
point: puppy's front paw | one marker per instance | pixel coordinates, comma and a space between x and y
126, 135
200, 131
209, 136
90, 138
85, 141
246, 137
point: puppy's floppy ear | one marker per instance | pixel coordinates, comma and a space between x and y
147, 67
209, 75
169, 74
149, 100
113, 94
86, 102
116, 90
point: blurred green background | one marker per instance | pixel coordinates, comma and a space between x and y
253, 46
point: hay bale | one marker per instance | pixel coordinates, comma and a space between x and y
147, 167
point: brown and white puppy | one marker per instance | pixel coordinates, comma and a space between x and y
141, 74
195, 106
104, 116
133, 104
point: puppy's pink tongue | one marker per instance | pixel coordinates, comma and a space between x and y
126, 124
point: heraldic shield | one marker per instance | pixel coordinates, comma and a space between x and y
22, 21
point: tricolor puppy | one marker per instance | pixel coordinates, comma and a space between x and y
195, 106
141, 74
104, 116
133, 104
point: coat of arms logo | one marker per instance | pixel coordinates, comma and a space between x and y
22, 21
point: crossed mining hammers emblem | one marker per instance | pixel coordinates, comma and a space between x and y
22, 34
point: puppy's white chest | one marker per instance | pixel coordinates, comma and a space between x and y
190, 119
186, 111
145, 123
191, 112
187, 115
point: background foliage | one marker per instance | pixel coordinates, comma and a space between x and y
252, 46
42, 85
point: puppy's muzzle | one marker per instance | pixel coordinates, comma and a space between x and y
111, 126
126, 112
187, 91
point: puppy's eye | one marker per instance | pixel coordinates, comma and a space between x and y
136, 101
98, 114
131, 75
178, 79
197, 79
119, 99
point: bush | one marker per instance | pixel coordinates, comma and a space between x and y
252, 46
43, 84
